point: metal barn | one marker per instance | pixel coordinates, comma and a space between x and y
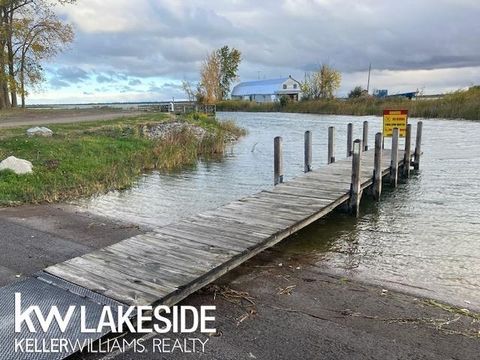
268, 90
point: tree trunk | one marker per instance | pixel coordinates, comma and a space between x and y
22, 79
2, 99
11, 74
11, 67
5, 98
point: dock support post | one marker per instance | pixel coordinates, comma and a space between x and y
408, 152
365, 135
349, 139
418, 146
377, 170
394, 159
355, 186
308, 151
277, 161
331, 144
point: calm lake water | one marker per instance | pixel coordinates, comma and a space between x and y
423, 237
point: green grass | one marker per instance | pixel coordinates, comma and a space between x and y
457, 105
88, 158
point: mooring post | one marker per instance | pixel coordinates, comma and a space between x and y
331, 144
394, 159
377, 167
277, 161
365, 135
355, 186
408, 152
418, 146
308, 151
349, 139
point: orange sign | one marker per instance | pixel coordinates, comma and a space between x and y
395, 119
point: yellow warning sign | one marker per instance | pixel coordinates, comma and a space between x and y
395, 119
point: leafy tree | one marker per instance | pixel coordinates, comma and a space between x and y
356, 92
284, 100
229, 61
38, 38
13, 14
322, 83
217, 73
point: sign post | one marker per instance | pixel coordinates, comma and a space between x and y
395, 119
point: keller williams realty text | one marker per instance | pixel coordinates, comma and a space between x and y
135, 319
138, 346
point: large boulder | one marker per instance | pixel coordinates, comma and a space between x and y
39, 131
18, 166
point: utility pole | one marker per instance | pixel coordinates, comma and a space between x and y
368, 83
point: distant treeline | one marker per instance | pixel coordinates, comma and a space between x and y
457, 105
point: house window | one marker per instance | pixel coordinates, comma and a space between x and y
284, 86
295, 86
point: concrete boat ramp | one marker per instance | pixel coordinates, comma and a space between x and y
168, 264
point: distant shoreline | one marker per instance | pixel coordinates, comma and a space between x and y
458, 105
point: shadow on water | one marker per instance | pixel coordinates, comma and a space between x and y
338, 233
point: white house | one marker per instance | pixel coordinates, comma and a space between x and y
268, 90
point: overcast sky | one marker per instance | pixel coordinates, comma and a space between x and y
141, 50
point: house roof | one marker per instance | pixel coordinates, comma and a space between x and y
259, 87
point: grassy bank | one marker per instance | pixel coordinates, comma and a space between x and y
457, 105
88, 158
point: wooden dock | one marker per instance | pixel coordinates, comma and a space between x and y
168, 264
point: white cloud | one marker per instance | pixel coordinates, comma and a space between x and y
411, 44
93, 16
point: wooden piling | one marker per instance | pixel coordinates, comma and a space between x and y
331, 144
365, 135
277, 161
394, 159
355, 186
349, 139
418, 146
308, 151
408, 152
377, 170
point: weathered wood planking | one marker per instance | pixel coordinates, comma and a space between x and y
172, 262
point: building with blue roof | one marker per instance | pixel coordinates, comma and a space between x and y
268, 90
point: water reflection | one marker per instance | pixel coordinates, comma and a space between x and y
424, 235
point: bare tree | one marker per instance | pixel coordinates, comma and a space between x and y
187, 88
